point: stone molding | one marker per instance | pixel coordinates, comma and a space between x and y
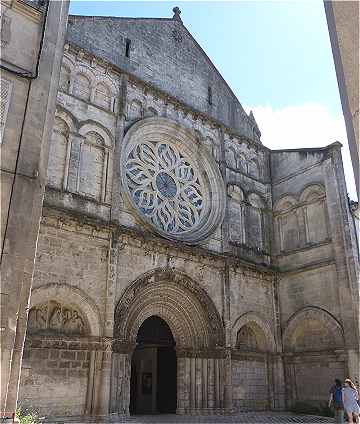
211, 186
69, 295
260, 321
312, 312
175, 297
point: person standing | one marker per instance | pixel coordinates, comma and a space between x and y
337, 400
350, 396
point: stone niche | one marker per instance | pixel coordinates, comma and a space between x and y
56, 318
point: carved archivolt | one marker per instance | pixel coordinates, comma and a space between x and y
171, 180
54, 317
174, 297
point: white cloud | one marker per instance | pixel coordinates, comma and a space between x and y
306, 125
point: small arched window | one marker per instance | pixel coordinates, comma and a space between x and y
82, 87
315, 214
92, 173
64, 81
103, 96
254, 224
253, 169
236, 214
57, 154
230, 158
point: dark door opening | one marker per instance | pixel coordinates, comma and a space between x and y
153, 369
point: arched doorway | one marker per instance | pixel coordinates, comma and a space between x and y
153, 369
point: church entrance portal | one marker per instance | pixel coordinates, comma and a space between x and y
153, 369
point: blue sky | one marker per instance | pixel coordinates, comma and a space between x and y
275, 55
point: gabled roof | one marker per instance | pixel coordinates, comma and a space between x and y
165, 54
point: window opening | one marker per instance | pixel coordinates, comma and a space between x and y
210, 96
127, 47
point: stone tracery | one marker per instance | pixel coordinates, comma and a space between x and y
165, 186
171, 181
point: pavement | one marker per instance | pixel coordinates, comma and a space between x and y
242, 418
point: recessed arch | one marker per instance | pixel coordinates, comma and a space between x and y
286, 202
174, 297
312, 192
250, 318
302, 323
69, 295
92, 126
68, 117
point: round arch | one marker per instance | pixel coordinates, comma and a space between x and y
69, 295
312, 313
253, 318
178, 300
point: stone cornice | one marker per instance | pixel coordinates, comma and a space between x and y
70, 221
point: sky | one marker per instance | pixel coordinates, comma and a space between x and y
275, 55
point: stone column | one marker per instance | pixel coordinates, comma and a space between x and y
120, 378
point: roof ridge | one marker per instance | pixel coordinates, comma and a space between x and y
120, 17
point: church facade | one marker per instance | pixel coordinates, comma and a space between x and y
181, 265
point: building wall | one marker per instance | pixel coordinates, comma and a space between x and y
29, 80
246, 304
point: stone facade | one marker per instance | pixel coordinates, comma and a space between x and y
162, 201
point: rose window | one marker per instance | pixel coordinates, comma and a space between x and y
171, 181
165, 186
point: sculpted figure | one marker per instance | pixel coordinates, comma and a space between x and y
55, 322
37, 318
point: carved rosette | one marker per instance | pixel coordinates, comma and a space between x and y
170, 181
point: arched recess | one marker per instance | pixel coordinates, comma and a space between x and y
195, 325
177, 299
66, 294
92, 126
255, 322
252, 341
255, 218
313, 344
59, 151
236, 214
315, 213
62, 343
287, 226
230, 157
312, 329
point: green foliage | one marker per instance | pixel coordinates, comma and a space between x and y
24, 416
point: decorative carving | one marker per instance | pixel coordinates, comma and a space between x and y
137, 293
174, 187
165, 186
54, 317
